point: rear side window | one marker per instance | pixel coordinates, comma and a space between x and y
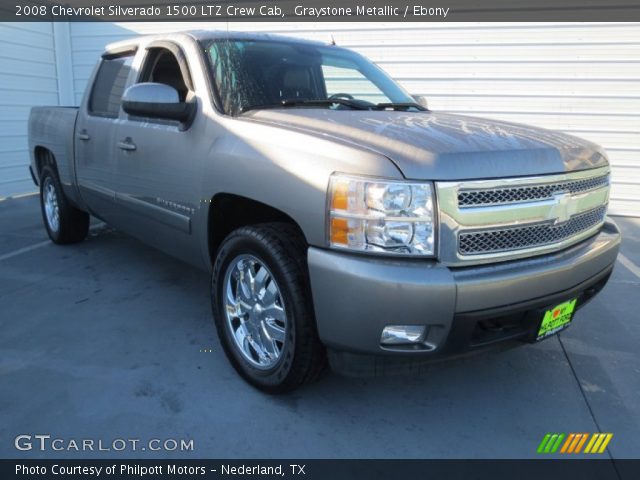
109, 85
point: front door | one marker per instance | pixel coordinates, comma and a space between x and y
157, 167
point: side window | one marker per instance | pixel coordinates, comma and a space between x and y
109, 84
161, 66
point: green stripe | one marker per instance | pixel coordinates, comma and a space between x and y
550, 443
544, 442
554, 449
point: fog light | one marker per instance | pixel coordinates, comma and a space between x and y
402, 334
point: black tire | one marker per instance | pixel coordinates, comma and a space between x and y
282, 250
73, 224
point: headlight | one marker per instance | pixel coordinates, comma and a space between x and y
382, 216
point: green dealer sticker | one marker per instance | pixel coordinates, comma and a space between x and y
556, 319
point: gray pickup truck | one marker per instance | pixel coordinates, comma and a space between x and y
341, 220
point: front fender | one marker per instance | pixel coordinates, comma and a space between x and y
287, 170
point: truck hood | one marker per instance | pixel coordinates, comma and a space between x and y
441, 146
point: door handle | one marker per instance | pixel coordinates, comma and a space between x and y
127, 144
84, 135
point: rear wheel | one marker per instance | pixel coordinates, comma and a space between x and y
262, 307
64, 223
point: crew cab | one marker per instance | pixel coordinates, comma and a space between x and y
342, 221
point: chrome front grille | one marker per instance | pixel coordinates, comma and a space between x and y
515, 238
484, 221
501, 196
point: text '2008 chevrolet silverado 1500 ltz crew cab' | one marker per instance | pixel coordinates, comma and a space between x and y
340, 219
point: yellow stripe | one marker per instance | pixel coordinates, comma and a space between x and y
591, 442
584, 439
566, 444
596, 446
607, 439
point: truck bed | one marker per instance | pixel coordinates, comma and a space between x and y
52, 128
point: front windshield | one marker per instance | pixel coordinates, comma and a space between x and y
267, 73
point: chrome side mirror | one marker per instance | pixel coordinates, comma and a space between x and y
156, 100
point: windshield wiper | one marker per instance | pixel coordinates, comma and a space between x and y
260, 107
355, 104
399, 106
298, 102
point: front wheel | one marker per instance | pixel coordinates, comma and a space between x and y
263, 310
64, 222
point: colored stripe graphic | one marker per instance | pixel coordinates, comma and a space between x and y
594, 437
605, 443
582, 442
551, 442
596, 446
570, 439
574, 443
543, 443
596, 443
556, 445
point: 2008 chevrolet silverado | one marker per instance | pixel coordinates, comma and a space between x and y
339, 217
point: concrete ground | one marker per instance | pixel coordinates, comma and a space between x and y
110, 339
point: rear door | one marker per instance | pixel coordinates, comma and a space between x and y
96, 132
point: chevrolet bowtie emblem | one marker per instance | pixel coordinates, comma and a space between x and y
562, 209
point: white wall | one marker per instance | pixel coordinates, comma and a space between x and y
27, 77
579, 78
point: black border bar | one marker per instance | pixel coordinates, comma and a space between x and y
542, 469
322, 10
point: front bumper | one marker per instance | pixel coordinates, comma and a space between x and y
465, 309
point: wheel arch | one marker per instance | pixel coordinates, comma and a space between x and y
44, 157
228, 211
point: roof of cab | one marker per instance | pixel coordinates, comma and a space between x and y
203, 35
224, 34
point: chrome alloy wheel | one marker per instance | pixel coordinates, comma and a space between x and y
51, 209
255, 311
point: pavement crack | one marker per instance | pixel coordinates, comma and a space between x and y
586, 401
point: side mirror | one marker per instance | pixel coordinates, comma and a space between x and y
421, 100
156, 100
